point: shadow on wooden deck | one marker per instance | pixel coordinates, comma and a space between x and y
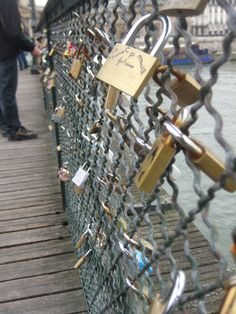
36, 254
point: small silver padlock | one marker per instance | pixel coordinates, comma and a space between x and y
80, 178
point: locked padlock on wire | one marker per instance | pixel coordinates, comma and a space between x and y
132, 67
166, 302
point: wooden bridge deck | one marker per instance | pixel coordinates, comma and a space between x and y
36, 255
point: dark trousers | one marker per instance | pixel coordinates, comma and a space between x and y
9, 117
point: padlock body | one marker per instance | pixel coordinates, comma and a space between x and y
81, 241
80, 262
128, 69
212, 167
185, 7
187, 90
157, 306
229, 304
155, 164
76, 68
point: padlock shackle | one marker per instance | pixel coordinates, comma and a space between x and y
175, 292
166, 24
182, 139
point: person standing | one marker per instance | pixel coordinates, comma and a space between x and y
12, 41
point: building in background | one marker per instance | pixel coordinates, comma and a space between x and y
210, 27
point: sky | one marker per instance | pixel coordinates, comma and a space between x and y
40, 2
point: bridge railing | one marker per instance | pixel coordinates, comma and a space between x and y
117, 159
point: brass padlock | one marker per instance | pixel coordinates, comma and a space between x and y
77, 65
53, 50
201, 157
159, 157
186, 88
183, 7
58, 114
229, 302
82, 260
128, 69
110, 213
134, 242
83, 237
233, 246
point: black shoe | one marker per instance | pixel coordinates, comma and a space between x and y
22, 134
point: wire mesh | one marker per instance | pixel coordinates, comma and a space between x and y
120, 275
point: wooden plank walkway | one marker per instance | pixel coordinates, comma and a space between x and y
36, 254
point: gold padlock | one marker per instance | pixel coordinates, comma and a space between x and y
83, 238
82, 260
53, 50
132, 67
201, 157
134, 242
77, 65
229, 302
155, 163
58, 114
110, 213
159, 157
186, 88
183, 7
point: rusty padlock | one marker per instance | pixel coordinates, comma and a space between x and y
132, 67
201, 157
186, 88
183, 7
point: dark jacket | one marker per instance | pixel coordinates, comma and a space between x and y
12, 37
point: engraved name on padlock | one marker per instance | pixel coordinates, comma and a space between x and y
183, 7
128, 69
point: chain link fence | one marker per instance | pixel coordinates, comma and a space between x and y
138, 250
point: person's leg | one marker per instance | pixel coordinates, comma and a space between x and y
8, 83
20, 61
24, 60
8, 86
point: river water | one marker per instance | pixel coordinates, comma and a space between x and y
223, 207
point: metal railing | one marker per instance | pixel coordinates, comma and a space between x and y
132, 240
